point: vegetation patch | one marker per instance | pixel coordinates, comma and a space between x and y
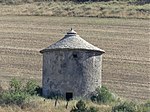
130, 107
124, 107
17, 93
81, 107
15, 100
102, 95
109, 9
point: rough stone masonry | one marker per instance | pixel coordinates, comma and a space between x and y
71, 65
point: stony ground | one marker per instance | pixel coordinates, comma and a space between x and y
126, 63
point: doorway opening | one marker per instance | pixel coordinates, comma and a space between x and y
69, 96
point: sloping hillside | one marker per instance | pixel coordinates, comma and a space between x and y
112, 9
126, 42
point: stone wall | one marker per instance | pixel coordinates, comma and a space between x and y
73, 71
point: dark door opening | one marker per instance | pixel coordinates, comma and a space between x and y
69, 96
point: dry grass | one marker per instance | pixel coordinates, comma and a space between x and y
39, 105
94, 9
126, 42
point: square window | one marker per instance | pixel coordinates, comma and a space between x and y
75, 56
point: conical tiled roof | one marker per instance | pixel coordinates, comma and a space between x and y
72, 41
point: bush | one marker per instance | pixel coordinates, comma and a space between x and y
13, 98
31, 87
81, 107
15, 85
17, 94
102, 95
124, 107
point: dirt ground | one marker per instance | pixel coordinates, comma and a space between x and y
126, 63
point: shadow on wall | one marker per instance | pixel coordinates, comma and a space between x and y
52, 95
39, 91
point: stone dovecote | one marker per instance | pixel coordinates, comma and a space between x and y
71, 65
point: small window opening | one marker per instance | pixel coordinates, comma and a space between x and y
69, 96
75, 56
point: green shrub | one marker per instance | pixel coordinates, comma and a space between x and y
124, 107
17, 94
31, 87
15, 85
81, 107
13, 98
102, 95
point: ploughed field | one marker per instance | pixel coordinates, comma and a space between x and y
126, 63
